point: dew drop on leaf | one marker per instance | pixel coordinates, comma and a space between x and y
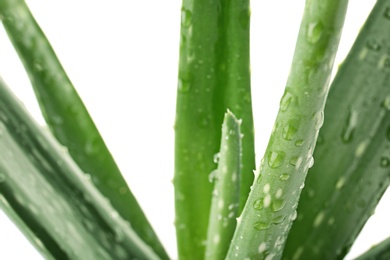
261, 225
216, 157
186, 18
284, 177
183, 86
278, 205
386, 103
385, 162
349, 127
318, 119
258, 204
310, 162
290, 129
294, 215
276, 159
299, 143
287, 98
296, 161
278, 219
340, 183
314, 32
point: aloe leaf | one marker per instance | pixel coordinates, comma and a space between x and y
233, 76
68, 118
271, 207
380, 251
53, 202
226, 193
213, 76
352, 155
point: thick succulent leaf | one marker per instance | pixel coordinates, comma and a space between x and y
68, 118
226, 193
271, 207
352, 168
213, 76
51, 200
380, 251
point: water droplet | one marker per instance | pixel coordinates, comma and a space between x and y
183, 86
258, 204
290, 129
213, 176
278, 219
284, 177
319, 218
261, 225
311, 193
385, 162
373, 45
269, 257
186, 18
216, 157
361, 148
262, 247
293, 216
314, 32
266, 188
299, 143
310, 162
267, 201
349, 127
286, 100
279, 193
318, 119
340, 183
276, 159
296, 161
302, 186
386, 103
278, 205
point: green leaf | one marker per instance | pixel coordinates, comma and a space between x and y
68, 118
51, 200
380, 251
226, 193
213, 76
352, 155
271, 207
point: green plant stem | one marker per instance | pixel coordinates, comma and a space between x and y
213, 76
344, 187
226, 193
380, 251
68, 118
51, 200
271, 207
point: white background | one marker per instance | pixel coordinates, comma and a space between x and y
122, 56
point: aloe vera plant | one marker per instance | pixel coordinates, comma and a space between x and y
219, 213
